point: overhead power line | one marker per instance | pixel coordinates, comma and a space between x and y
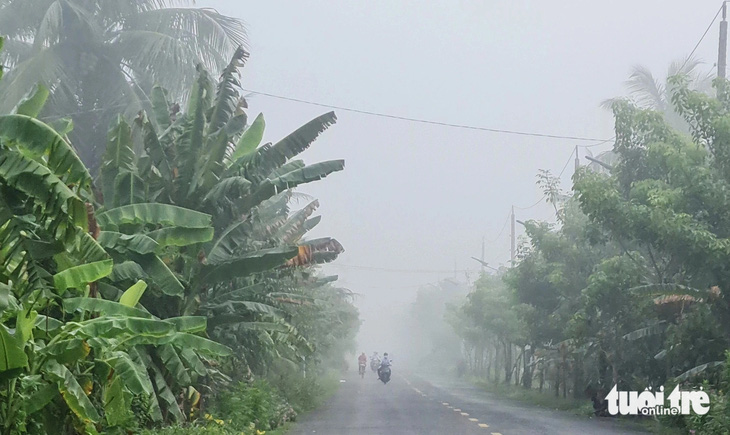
506, 221
370, 113
702, 37
597, 144
385, 269
533, 205
426, 121
570, 157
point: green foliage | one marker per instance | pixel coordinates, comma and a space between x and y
305, 394
256, 403
717, 420
629, 287
12, 357
192, 235
103, 58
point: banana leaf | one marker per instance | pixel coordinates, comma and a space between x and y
181, 236
155, 214
80, 276
139, 243
46, 189
127, 271
12, 356
131, 296
135, 376
174, 365
40, 140
71, 391
117, 402
38, 400
697, 370
250, 139
33, 102
258, 261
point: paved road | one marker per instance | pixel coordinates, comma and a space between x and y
410, 405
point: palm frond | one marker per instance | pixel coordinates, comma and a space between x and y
685, 66
212, 37
50, 26
646, 89
19, 18
46, 67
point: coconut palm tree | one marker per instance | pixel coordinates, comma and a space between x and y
102, 57
647, 91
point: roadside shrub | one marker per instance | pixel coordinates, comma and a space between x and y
305, 394
257, 403
717, 420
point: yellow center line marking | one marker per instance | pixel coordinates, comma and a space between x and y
483, 425
464, 414
474, 420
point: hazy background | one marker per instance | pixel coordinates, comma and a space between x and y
417, 197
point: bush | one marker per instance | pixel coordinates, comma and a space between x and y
717, 420
305, 394
258, 403
192, 430
254, 408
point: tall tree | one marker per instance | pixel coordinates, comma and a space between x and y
650, 92
102, 57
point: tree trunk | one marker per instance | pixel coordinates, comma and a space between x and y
497, 355
578, 380
489, 365
527, 369
94, 230
507, 363
516, 367
565, 375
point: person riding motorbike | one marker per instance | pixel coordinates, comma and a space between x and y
374, 361
385, 362
362, 363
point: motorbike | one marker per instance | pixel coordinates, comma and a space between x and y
374, 364
385, 374
361, 369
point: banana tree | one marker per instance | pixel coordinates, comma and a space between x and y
209, 159
60, 341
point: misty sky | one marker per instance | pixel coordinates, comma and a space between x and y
421, 197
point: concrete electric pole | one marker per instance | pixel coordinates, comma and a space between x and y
512, 238
722, 51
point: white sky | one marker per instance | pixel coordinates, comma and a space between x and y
416, 196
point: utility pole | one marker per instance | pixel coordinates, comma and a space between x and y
722, 51
482, 254
577, 160
512, 238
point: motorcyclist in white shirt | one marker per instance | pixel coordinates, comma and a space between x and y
385, 362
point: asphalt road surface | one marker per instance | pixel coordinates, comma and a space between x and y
411, 405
